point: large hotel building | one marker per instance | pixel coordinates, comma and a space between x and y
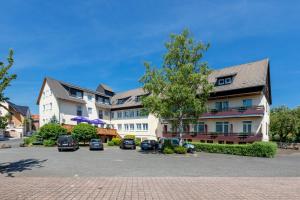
238, 109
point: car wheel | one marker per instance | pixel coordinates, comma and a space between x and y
59, 150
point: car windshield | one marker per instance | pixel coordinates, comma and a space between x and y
129, 141
64, 139
95, 140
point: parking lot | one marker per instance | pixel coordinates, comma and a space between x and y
43, 162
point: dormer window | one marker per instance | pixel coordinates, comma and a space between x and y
224, 80
121, 101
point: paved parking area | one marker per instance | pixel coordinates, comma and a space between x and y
114, 162
150, 188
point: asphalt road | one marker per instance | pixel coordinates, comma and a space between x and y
43, 162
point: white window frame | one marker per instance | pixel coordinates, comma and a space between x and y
226, 80
145, 126
221, 81
126, 127
138, 126
131, 127
119, 126
90, 110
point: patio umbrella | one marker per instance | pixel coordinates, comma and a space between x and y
97, 121
80, 119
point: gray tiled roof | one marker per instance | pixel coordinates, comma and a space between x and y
23, 110
130, 94
245, 76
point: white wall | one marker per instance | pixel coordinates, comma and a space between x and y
151, 120
47, 99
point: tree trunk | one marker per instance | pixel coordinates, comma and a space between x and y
180, 130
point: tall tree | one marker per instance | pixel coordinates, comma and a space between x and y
5, 77
179, 89
284, 124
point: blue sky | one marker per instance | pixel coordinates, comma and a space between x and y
89, 42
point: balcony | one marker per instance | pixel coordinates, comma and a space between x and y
216, 137
235, 112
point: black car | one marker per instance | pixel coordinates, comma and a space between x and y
67, 142
149, 145
127, 144
96, 144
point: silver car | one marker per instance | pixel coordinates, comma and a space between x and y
96, 144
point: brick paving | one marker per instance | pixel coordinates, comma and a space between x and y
150, 188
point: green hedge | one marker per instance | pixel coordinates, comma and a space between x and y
116, 141
257, 149
110, 143
180, 150
168, 150
49, 143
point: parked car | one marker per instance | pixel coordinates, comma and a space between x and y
149, 145
189, 147
96, 144
2, 137
127, 144
67, 142
162, 142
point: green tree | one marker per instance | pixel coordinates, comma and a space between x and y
3, 122
84, 132
284, 124
5, 77
52, 131
179, 89
54, 120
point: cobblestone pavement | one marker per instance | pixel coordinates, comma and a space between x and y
103, 188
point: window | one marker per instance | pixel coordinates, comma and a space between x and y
138, 127
221, 106
126, 115
221, 81
79, 111
119, 127
119, 115
106, 101
224, 80
222, 127
100, 114
145, 127
247, 103
228, 80
126, 126
44, 107
131, 126
90, 110
137, 98
90, 97
137, 113
199, 127
112, 115
106, 113
247, 127
131, 113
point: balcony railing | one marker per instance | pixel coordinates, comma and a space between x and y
234, 137
235, 111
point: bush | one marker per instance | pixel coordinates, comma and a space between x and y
32, 140
129, 136
168, 150
138, 141
84, 132
52, 131
257, 149
116, 141
110, 143
180, 150
49, 143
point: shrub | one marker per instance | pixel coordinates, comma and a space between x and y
52, 131
84, 132
180, 150
32, 139
257, 149
168, 150
129, 136
49, 143
138, 141
110, 143
116, 141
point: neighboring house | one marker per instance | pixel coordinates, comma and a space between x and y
19, 122
238, 108
35, 122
